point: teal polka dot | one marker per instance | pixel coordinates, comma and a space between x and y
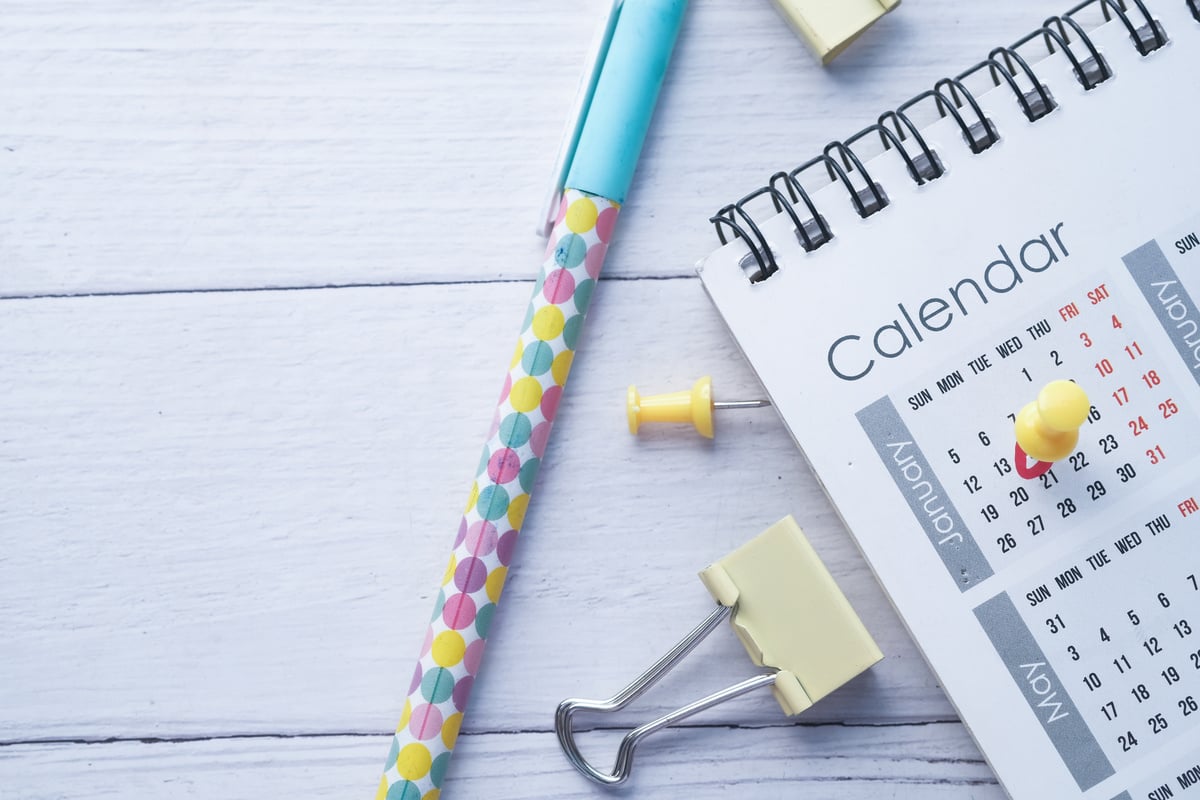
492, 503
515, 430
528, 318
440, 604
437, 685
572, 330
437, 772
528, 473
393, 755
570, 251
583, 295
483, 619
537, 358
404, 790
483, 462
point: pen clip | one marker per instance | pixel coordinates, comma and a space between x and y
579, 108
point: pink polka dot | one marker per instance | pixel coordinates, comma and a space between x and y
470, 575
416, 679
462, 533
495, 427
595, 259
462, 691
506, 389
563, 205
504, 465
474, 655
428, 643
550, 400
605, 222
559, 286
426, 722
481, 538
459, 612
505, 547
541, 435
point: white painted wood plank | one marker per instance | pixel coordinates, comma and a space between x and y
933, 762
226, 513
230, 512
244, 144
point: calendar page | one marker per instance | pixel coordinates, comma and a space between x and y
1096, 553
1057, 600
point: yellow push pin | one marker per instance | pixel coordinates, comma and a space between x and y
694, 405
1048, 428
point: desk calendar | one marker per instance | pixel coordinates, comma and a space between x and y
1041, 231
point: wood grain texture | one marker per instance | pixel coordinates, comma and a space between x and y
295, 466
228, 488
819, 762
234, 144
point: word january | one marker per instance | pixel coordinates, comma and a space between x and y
850, 359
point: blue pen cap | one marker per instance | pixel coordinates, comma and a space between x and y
623, 102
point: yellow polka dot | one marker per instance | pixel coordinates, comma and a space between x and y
449, 647
561, 366
450, 729
516, 359
432, 794
472, 497
516, 510
548, 323
525, 395
381, 793
581, 215
414, 762
495, 583
453, 565
405, 716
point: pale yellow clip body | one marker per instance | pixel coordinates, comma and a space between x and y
791, 615
828, 26
1048, 428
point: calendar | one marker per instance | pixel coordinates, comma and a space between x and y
990, 355
1098, 636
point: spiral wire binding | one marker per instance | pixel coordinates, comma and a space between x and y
897, 131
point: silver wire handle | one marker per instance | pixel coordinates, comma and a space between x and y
567, 709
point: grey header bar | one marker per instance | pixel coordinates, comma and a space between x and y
1045, 693
1169, 301
919, 484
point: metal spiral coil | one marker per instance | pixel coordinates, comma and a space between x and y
897, 132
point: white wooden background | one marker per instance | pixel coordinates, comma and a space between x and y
261, 264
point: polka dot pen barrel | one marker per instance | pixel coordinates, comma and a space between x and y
613, 120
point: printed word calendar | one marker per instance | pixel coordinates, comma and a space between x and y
991, 357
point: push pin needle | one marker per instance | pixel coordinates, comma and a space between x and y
694, 405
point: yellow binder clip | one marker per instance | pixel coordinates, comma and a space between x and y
792, 619
829, 26
695, 405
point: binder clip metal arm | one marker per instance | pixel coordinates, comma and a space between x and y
563, 717
792, 619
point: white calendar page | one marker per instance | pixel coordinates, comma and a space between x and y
1061, 610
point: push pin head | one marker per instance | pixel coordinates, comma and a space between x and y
695, 406
1048, 428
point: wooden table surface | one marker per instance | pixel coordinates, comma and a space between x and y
261, 267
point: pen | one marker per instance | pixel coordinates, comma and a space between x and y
598, 160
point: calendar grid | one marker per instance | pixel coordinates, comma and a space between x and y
1081, 572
